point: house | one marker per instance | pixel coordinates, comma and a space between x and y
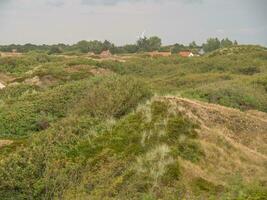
201, 51
105, 54
157, 53
186, 54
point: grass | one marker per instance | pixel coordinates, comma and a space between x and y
83, 135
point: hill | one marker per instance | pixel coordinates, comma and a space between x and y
144, 128
168, 148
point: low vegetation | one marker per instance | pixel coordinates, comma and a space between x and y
78, 127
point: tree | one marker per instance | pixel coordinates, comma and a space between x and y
83, 46
226, 43
154, 43
96, 46
107, 45
211, 44
177, 48
130, 48
54, 49
149, 44
143, 44
193, 45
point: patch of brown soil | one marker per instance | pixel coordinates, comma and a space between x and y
78, 68
101, 72
257, 114
157, 53
33, 81
112, 58
4, 78
89, 69
47, 80
5, 143
10, 54
44, 81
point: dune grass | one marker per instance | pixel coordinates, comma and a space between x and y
96, 136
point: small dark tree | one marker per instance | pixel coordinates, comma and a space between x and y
149, 44
193, 45
54, 50
154, 43
130, 48
83, 46
211, 44
226, 43
177, 48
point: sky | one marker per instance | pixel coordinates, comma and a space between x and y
122, 21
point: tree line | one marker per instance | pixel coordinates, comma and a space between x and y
144, 44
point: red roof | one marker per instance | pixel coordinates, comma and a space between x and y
185, 53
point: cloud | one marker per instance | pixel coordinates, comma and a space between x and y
56, 3
181, 21
115, 2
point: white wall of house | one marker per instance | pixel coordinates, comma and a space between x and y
191, 55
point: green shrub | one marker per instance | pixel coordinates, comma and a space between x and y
172, 173
189, 150
21, 116
241, 96
237, 188
114, 97
19, 65
159, 110
13, 93
178, 126
251, 70
203, 186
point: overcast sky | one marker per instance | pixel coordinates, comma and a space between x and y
121, 21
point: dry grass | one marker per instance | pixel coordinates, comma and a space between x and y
234, 142
5, 143
10, 54
4, 78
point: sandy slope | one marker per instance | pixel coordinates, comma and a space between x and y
233, 141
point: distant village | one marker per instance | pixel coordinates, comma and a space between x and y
107, 54
151, 46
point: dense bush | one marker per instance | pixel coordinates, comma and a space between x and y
249, 70
114, 97
111, 97
13, 93
19, 65
21, 116
233, 95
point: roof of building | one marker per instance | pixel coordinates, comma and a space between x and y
185, 53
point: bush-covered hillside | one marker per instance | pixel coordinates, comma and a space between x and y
134, 127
